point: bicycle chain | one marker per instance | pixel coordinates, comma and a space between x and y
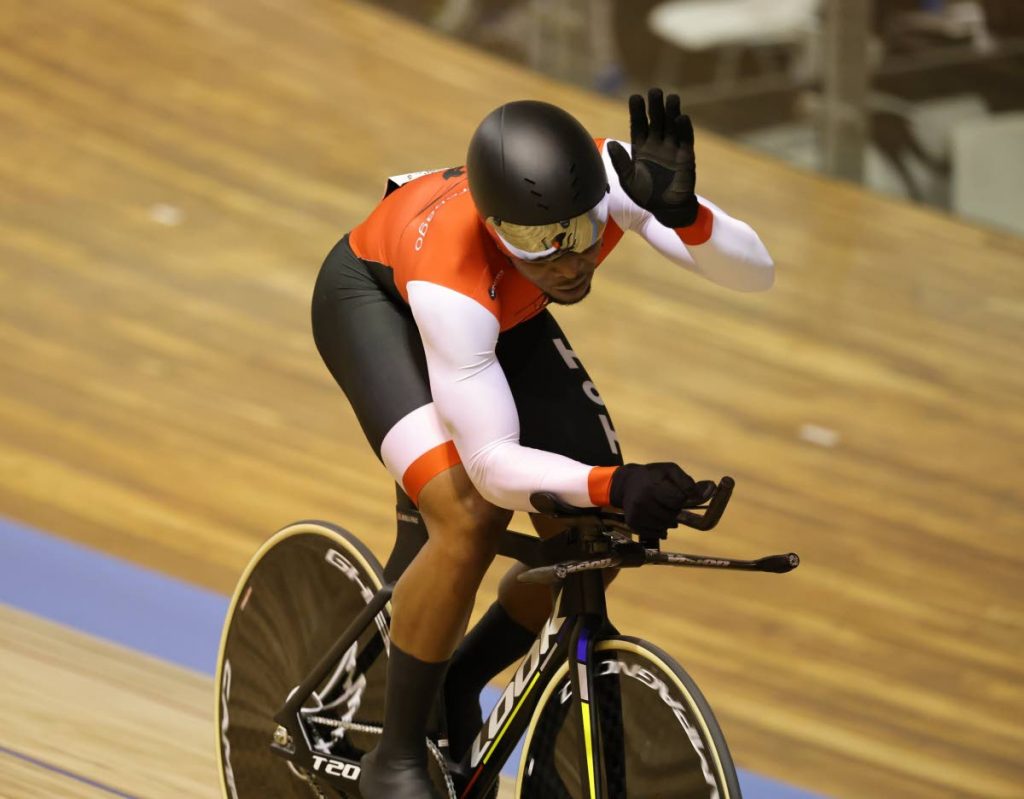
310, 780
316, 788
377, 730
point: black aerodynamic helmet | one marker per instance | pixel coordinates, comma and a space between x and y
537, 177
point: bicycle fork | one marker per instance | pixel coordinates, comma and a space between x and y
581, 677
583, 596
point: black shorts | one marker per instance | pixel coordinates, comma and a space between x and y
366, 335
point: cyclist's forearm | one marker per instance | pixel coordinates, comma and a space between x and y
506, 473
719, 247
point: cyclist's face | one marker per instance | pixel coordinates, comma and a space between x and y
566, 278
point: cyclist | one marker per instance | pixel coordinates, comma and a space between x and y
432, 315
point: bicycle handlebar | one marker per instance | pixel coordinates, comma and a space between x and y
774, 564
628, 554
715, 507
550, 505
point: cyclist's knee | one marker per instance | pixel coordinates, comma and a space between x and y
460, 521
468, 545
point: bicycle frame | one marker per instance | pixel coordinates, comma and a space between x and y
577, 624
578, 621
569, 635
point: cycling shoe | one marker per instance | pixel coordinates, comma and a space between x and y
395, 779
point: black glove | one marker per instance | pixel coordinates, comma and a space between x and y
662, 174
652, 495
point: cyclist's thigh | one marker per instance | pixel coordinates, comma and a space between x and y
369, 342
371, 345
559, 407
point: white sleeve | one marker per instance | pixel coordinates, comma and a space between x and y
476, 405
733, 256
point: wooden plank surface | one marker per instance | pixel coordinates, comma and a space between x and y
101, 713
23, 780
171, 176
86, 719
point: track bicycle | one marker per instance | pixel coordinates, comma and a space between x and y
303, 659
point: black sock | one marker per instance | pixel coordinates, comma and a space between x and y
412, 689
495, 642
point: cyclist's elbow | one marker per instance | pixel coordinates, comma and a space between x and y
489, 475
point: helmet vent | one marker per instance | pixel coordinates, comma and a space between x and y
533, 191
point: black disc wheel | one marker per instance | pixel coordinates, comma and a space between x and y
298, 595
658, 736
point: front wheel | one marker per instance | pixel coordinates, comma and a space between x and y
659, 737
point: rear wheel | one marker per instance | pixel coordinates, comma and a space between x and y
297, 596
659, 737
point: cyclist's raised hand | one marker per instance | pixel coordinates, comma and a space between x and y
661, 174
652, 494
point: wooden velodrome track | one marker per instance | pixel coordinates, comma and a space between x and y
162, 399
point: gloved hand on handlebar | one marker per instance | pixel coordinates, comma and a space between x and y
653, 494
